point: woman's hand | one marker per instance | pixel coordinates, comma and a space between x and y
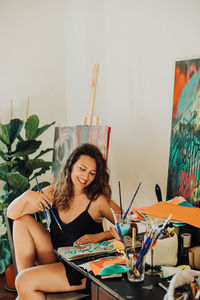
37, 200
29, 203
88, 239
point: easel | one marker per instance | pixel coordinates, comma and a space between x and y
90, 120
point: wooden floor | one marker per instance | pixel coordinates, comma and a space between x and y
5, 294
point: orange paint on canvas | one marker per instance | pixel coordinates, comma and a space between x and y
179, 84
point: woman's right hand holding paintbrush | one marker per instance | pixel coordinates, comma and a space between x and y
29, 203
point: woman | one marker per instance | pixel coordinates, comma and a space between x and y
80, 199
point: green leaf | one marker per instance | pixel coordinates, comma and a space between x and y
3, 155
5, 255
7, 164
18, 181
4, 135
3, 206
42, 171
20, 138
33, 164
31, 127
43, 152
5, 168
25, 148
14, 129
40, 130
9, 197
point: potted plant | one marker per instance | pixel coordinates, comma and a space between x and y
20, 162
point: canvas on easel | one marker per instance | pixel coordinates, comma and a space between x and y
184, 160
66, 139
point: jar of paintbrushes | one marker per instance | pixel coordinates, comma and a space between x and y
135, 262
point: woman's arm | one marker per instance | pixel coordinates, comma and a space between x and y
117, 210
29, 202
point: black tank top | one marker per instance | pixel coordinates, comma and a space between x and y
83, 224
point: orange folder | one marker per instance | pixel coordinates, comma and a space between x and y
189, 215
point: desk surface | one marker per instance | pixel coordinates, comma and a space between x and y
121, 288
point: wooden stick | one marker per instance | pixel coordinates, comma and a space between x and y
93, 93
27, 108
133, 240
94, 122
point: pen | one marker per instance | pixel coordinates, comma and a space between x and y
39, 189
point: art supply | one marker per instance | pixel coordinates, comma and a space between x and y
194, 257
44, 210
144, 250
148, 243
133, 274
161, 230
45, 215
114, 233
133, 241
39, 189
124, 225
120, 200
186, 240
117, 226
124, 217
185, 245
104, 247
162, 286
158, 193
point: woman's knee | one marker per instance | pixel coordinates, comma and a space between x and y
23, 282
26, 219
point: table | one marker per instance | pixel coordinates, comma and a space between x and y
120, 288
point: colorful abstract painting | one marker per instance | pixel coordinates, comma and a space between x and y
184, 160
66, 139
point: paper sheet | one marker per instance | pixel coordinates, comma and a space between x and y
163, 209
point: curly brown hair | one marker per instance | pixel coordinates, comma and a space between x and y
64, 190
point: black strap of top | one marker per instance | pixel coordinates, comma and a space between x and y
88, 205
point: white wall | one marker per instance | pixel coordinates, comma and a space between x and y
48, 49
32, 61
136, 44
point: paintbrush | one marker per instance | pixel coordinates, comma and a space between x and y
133, 241
131, 202
120, 200
40, 190
117, 226
161, 230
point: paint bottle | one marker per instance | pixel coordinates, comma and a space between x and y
185, 245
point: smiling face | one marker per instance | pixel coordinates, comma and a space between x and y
83, 172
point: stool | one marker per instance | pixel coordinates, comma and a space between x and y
67, 296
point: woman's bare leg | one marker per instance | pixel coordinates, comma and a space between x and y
34, 282
31, 241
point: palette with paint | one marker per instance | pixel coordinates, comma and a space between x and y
77, 252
